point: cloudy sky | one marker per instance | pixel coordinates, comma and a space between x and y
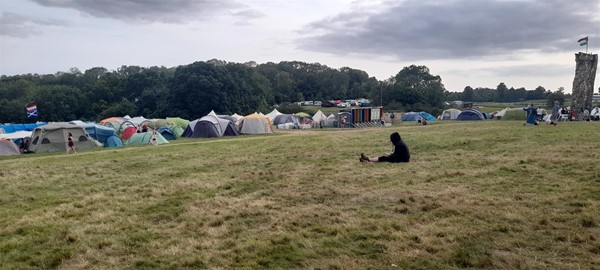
480, 43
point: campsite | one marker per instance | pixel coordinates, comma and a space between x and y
470, 198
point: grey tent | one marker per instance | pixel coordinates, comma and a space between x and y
8, 148
53, 138
210, 126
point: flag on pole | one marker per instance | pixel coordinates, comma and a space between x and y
583, 41
31, 110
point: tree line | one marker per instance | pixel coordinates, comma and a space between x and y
191, 91
504, 94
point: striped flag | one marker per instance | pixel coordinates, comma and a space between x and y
31, 110
583, 41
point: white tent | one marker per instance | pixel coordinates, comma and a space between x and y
212, 113
273, 114
137, 120
450, 114
319, 119
256, 124
330, 122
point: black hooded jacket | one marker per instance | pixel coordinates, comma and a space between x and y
401, 153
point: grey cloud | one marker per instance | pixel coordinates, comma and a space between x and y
244, 17
171, 11
451, 29
21, 26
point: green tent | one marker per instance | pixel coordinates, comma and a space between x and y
144, 138
511, 114
178, 122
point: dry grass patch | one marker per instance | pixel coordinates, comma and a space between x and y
475, 195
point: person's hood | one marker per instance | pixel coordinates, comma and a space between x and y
395, 138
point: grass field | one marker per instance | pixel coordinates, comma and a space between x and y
493, 194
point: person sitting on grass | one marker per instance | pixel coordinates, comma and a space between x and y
400, 153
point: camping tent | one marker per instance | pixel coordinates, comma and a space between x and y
285, 119
450, 114
210, 126
256, 124
98, 132
470, 114
53, 138
8, 148
167, 133
330, 122
144, 138
273, 114
415, 116
319, 118
511, 114
180, 122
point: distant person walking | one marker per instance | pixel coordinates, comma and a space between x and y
400, 153
555, 113
70, 144
531, 115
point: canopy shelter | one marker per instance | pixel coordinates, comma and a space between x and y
53, 138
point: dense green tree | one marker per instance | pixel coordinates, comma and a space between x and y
468, 94
559, 96
413, 86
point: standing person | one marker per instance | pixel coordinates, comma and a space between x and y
400, 153
531, 115
555, 113
70, 144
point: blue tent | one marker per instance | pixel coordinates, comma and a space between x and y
98, 132
470, 114
113, 141
167, 133
415, 116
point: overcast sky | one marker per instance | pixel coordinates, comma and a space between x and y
480, 43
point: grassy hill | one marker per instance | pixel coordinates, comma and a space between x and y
491, 194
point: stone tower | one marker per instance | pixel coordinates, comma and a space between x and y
583, 84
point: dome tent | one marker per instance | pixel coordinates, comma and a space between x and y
210, 126
470, 114
450, 114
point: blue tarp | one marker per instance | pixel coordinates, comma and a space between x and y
11, 128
